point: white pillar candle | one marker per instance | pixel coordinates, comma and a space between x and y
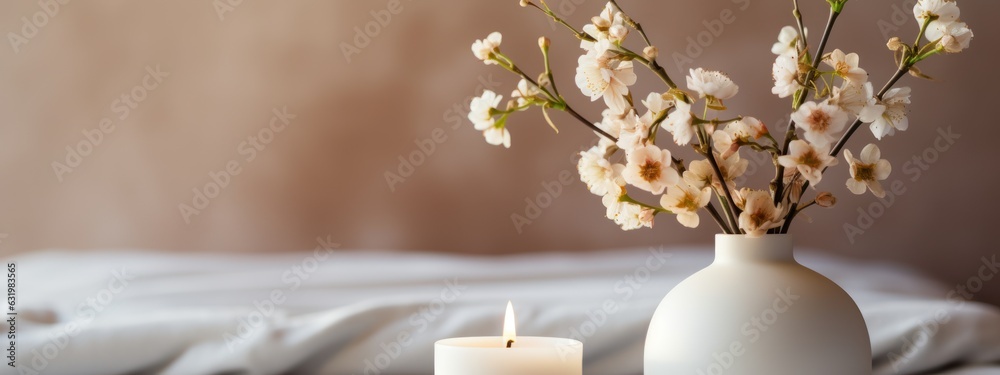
492, 356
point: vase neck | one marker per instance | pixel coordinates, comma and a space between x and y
730, 248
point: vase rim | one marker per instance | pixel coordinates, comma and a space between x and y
743, 248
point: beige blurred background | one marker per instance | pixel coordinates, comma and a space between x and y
324, 174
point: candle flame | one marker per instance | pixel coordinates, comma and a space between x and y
509, 333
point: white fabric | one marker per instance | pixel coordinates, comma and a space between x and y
182, 313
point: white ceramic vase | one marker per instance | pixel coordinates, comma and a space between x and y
756, 311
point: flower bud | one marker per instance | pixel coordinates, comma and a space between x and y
525, 3
826, 199
650, 52
894, 44
543, 79
543, 42
757, 128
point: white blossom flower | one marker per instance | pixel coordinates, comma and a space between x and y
650, 168
657, 103
609, 78
481, 114
808, 160
611, 122
525, 92
685, 200
680, 123
481, 108
644, 216
732, 168
953, 37
754, 127
483, 48
946, 11
759, 213
497, 135
894, 116
858, 100
787, 40
846, 66
601, 176
605, 28
786, 75
867, 171
727, 141
701, 174
712, 84
634, 132
820, 121
628, 215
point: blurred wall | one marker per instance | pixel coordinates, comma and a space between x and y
299, 117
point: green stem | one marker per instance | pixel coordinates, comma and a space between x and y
560, 104
699, 121
629, 199
548, 73
923, 29
551, 14
651, 64
802, 29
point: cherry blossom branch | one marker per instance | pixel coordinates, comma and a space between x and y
561, 103
589, 124
843, 141
556, 18
800, 99
632, 23
857, 123
651, 62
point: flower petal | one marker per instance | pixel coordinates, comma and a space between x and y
870, 154
882, 169
688, 219
855, 186
876, 188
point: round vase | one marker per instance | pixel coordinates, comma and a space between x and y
756, 311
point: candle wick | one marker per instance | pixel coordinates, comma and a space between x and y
509, 343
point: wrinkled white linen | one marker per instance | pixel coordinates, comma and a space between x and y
381, 312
